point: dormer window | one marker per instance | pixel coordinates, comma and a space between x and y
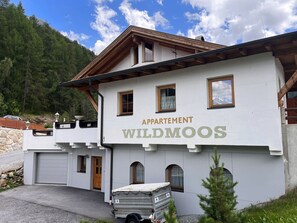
148, 52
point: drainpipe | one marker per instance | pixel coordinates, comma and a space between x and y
101, 136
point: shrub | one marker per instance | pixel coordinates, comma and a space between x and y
220, 205
170, 216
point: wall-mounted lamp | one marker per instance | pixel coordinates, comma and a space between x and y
57, 115
27, 124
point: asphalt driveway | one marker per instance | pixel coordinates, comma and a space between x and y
40, 203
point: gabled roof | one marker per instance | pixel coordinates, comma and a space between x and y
283, 47
133, 35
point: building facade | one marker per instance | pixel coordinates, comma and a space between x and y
165, 104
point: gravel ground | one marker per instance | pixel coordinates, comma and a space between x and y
13, 211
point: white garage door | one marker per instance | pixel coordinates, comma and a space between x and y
51, 168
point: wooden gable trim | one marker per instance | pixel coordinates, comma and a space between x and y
108, 58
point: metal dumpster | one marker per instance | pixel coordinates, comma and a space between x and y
139, 202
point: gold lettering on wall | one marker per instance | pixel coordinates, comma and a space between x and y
170, 120
188, 132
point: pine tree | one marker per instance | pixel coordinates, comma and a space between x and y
34, 59
220, 205
170, 216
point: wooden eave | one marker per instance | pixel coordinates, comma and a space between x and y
282, 47
133, 35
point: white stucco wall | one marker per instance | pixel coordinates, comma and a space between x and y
251, 168
123, 64
84, 180
170, 53
74, 178
29, 167
254, 121
37, 142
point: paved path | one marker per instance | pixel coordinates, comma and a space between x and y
18, 211
53, 200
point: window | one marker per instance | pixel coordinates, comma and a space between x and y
81, 164
228, 175
137, 173
175, 175
126, 103
135, 55
166, 98
148, 52
221, 92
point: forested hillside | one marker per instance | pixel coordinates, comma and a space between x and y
34, 59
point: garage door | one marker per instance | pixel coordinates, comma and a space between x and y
51, 168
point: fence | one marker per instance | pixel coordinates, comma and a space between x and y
18, 124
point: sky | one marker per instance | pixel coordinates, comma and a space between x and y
96, 23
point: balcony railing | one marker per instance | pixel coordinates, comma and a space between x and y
291, 115
78, 134
72, 125
42, 132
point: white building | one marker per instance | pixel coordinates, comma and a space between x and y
165, 103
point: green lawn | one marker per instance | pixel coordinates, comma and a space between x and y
282, 210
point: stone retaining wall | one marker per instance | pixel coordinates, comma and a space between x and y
12, 178
10, 140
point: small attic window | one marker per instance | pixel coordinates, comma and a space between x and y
148, 52
135, 55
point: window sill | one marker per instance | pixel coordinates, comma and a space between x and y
165, 111
223, 106
136, 183
177, 189
81, 171
125, 115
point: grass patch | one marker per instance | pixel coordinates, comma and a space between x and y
282, 210
10, 185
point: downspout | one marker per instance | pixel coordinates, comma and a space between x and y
104, 144
101, 137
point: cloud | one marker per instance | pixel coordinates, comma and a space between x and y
180, 33
75, 36
160, 20
232, 21
160, 2
192, 16
104, 25
108, 29
140, 18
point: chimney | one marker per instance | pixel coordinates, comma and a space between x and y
201, 38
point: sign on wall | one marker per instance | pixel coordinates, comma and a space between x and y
189, 131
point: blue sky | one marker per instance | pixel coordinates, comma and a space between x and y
95, 23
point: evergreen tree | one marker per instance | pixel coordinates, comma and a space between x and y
220, 205
170, 216
34, 60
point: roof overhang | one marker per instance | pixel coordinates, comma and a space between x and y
283, 47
